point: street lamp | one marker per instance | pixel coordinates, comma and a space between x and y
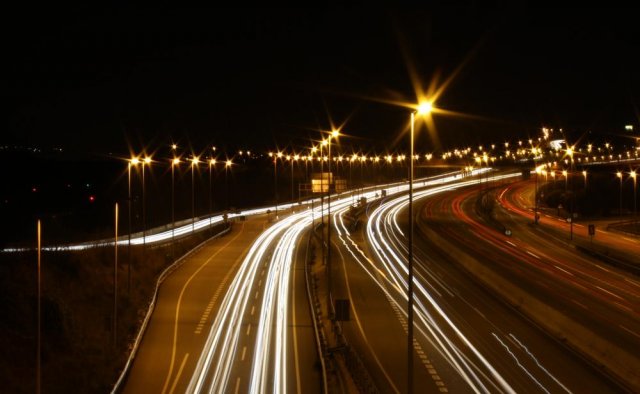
194, 162
134, 161
635, 200
275, 178
146, 161
294, 158
570, 151
212, 163
564, 173
227, 165
174, 162
334, 134
39, 341
322, 144
424, 109
619, 175
584, 174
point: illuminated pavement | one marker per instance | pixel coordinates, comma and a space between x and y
186, 304
466, 339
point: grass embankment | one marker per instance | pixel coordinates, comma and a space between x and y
78, 350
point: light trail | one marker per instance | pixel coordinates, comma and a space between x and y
389, 247
274, 250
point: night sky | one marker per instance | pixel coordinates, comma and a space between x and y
98, 81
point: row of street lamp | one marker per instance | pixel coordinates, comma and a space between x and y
424, 109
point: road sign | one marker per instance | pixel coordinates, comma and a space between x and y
592, 229
507, 232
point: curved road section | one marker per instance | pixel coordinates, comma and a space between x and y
467, 340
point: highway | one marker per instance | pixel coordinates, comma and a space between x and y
467, 340
235, 316
518, 201
222, 319
186, 303
593, 307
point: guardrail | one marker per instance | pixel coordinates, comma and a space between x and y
167, 271
320, 343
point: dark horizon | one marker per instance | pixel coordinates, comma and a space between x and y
131, 79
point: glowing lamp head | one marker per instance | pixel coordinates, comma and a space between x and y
228, 163
335, 133
134, 161
147, 160
212, 161
619, 174
174, 146
175, 161
424, 108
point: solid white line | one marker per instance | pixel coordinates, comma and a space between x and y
533, 254
564, 270
629, 331
605, 290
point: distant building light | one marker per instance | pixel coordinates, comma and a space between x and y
628, 127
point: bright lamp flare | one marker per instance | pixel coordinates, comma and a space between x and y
425, 108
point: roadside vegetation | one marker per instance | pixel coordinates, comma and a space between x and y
79, 353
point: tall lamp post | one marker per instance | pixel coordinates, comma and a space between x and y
635, 199
39, 346
570, 153
194, 162
619, 175
175, 162
323, 143
133, 162
275, 179
115, 280
227, 165
212, 164
423, 109
334, 134
294, 158
146, 161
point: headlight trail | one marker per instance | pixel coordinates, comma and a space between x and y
273, 248
383, 233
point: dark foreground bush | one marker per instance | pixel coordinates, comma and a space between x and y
78, 349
